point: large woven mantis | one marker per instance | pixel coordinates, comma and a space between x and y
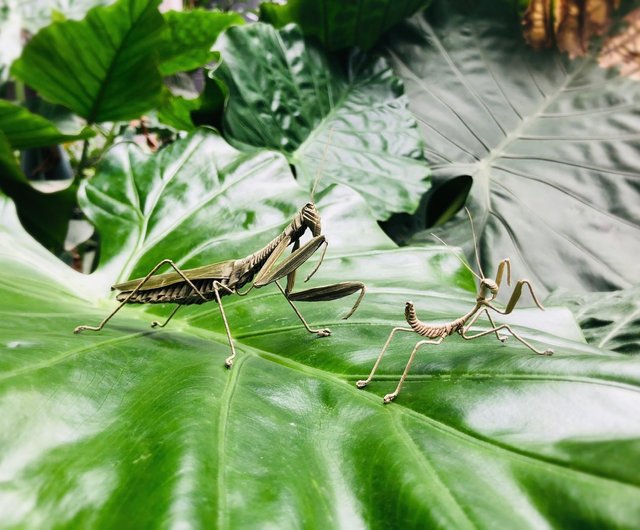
435, 334
212, 282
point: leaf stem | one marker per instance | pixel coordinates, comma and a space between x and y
83, 158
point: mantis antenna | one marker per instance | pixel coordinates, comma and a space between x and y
458, 257
321, 165
475, 248
475, 241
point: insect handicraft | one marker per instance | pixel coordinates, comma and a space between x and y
212, 282
435, 334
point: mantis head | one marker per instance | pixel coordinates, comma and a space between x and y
311, 218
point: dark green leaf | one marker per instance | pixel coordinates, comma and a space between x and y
44, 215
341, 24
552, 145
210, 103
175, 111
25, 130
105, 67
139, 428
349, 126
192, 34
608, 320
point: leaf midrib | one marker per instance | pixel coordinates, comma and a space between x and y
93, 112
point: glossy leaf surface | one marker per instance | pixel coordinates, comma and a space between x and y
135, 427
552, 145
104, 67
335, 125
340, 24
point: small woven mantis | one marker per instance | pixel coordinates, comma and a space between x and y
435, 334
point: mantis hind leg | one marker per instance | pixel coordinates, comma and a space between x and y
393, 395
364, 382
156, 324
501, 338
513, 333
132, 293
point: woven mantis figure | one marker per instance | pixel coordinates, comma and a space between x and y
435, 334
212, 282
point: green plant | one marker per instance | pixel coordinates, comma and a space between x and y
142, 428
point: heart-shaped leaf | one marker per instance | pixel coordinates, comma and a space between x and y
335, 125
104, 67
133, 427
552, 144
338, 24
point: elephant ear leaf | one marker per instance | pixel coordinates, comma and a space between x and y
483, 435
545, 139
348, 125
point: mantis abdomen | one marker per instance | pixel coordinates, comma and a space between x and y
177, 293
430, 331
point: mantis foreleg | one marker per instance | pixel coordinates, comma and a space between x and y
515, 296
271, 274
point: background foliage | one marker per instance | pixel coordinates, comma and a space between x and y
196, 136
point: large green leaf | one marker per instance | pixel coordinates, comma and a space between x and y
25, 130
552, 144
608, 320
17, 16
338, 124
341, 24
104, 67
138, 428
192, 34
